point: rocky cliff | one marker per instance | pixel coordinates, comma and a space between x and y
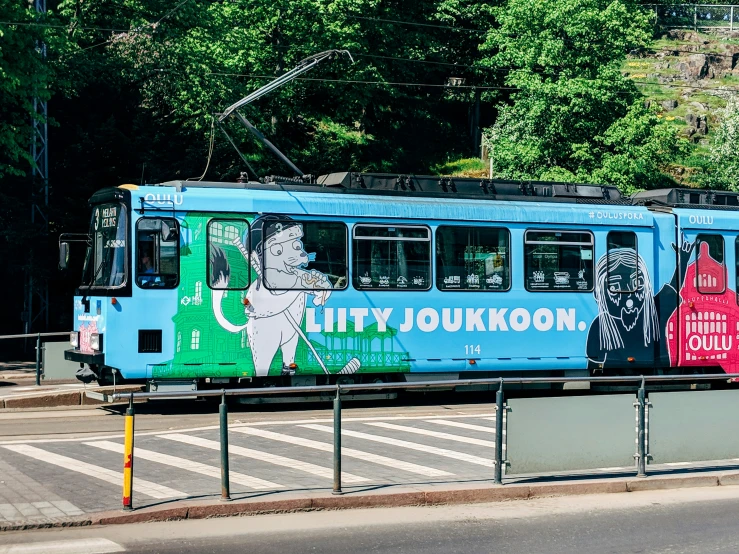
688, 77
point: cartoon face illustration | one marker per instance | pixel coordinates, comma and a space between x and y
285, 247
625, 298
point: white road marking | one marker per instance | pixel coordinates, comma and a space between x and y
104, 474
49, 414
233, 425
461, 425
460, 456
435, 434
189, 465
348, 452
77, 546
306, 467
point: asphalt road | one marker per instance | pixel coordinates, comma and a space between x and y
674, 522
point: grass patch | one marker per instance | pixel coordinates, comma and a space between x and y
463, 167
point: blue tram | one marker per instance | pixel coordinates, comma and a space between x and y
366, 277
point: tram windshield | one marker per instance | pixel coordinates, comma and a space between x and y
105, 264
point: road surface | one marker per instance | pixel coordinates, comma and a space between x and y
656, 522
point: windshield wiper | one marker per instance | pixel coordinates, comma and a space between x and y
94, 275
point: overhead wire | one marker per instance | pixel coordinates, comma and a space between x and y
415, 24
356, 81
136, 30
57, 26
210, 150
448, 86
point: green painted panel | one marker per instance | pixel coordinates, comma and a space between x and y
573, 433
206, 348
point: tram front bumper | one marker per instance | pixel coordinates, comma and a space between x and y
84, 358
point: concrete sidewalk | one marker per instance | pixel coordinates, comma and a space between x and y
378, 496
24, 396
16, 371
18, 389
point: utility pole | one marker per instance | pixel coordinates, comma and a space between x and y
36, 297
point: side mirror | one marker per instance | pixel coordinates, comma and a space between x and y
63, 255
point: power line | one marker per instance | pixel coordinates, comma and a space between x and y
353, 81
671, 85
54, 26
705, 53
138, 29
170, 12
413, 23
436, 85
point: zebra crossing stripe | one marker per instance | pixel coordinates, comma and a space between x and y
141, 486
188, 465
460, 456
348, 452
435, 434
74, 546
274, 459
461, 425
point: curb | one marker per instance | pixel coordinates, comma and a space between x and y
431, 496
58, 398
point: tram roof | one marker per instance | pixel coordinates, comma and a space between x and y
312, 200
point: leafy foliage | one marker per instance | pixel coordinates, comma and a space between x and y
572, 114
133, 86
724, 158
23, 75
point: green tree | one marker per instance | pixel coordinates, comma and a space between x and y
724, 158
23, 76
572, 114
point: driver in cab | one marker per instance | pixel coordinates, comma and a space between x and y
147, 277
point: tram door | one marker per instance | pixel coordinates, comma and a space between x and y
707, 318
628, 322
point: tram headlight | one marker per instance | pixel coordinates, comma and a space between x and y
96, 341
74, 339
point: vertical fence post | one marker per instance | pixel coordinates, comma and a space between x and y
695, 17
641, 434
128, 458
337, 441
225, 482
38, 359
731, 18
499, 411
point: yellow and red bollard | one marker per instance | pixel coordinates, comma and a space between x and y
128, 458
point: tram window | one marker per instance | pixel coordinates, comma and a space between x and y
622, 270
158, 253
228, 254
301, 255
472, 258
392, 257
557, 261
710, 270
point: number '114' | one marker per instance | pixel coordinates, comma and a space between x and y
470, 349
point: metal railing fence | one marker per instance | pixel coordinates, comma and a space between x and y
38, 347
337, 390
696, 16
